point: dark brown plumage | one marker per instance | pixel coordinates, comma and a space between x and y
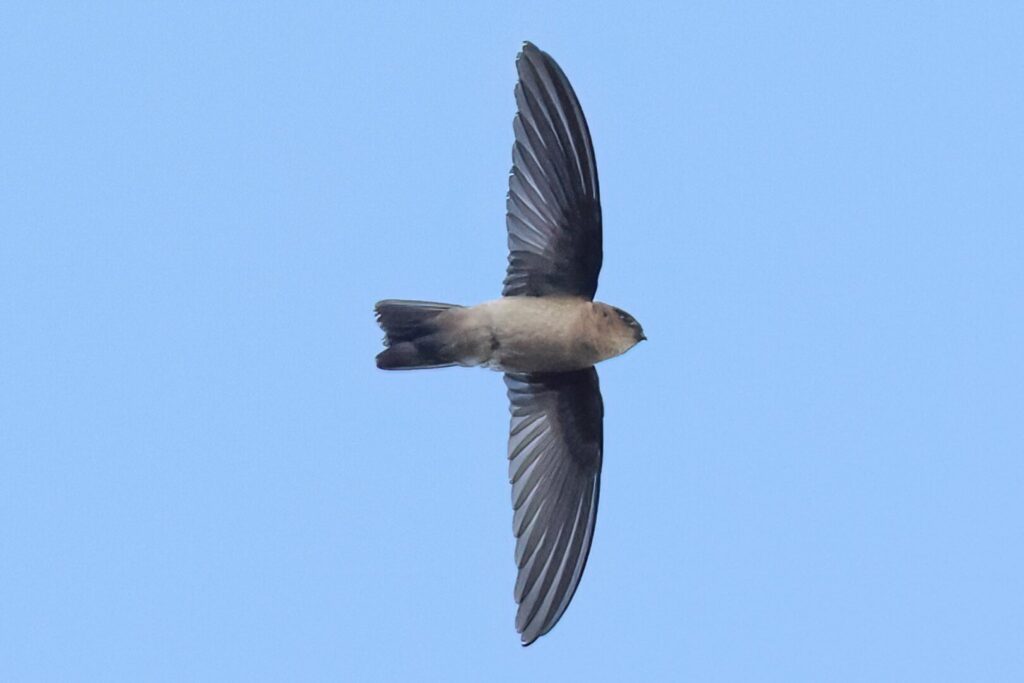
546, 333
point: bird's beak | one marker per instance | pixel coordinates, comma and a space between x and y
643, 337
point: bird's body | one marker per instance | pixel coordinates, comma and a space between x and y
545, 333
522, 334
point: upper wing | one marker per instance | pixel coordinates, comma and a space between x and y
554, 204
554, 449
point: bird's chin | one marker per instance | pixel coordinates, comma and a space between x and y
632, 345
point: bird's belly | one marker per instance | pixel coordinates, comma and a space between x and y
538, 336
533, 357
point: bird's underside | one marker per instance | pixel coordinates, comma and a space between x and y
520, 334
546, 333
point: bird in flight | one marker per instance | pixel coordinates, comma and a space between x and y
545, 333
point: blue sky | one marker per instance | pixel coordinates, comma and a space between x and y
813, 470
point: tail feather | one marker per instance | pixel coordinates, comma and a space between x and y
412, 336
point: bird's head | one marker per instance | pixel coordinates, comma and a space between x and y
620, 330
631, 324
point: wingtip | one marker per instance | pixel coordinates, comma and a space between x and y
527, 49
526, 641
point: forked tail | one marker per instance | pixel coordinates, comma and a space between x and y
413, 337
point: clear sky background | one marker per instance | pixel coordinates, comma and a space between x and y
814, 469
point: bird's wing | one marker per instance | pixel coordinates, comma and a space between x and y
554, 205
554, 450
